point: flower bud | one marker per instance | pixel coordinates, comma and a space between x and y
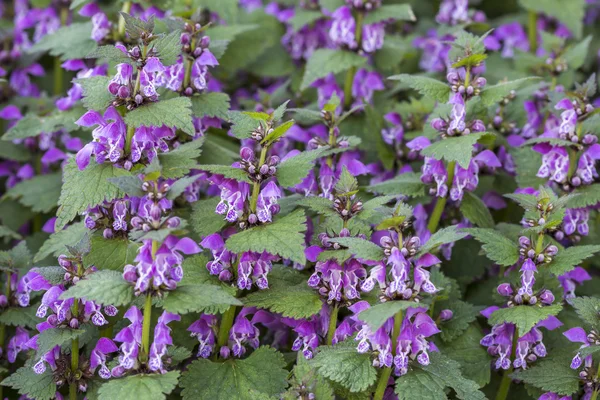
547, 297
446, 315
505, 289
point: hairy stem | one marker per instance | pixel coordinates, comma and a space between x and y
226, 324
506, 379
332, 324
148, 314
126, 9
387, 372
436, 215
532, 31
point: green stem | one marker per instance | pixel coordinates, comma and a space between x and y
332, 143
539, 244
188, 66
382, 384
146, 327
58, 70
352, 71
126, 9
256, 185
532, 32
332, 324
436, 215
129, 139
506, 379
75, 347
226, 324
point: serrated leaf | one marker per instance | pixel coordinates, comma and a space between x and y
174, 113
343, 364
570, 13
361, 248
95, 92
168, 47
263, 372
282, 237
429, 87
228, 172
527, 201
135, 27
33, 125
20, 316
377, 315
497, 247
303, 17
210, 104
277, 133
104, 287
39, 193
427, 382
474, 60
84, 189
50, 338
586, 196
323, 62
491, 95
6, 232
443, 236
57, 242
553, 375
459, 149
129, 185
566, 259
294, 169
110, 53
179, 186
68, 42
463, 314
52, 275
397, 12
34, 386
204, 220
210, 299
588, 309
14, 152
110, 254
243, 124
406, 184
286, 297
179, 162
142, 386
524, 317
527, 163
319, 205
475, 210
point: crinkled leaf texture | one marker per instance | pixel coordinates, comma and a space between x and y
552, 375
497, 247
104, 287
210, 299
378, 314
175, 112
263, 372
524, 317
142, 386
34, 386
459, 149
588, 309
325, 61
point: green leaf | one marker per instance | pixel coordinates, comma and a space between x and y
527, 201
427, 382
588, 309
443, 236
129, 184
95, 92
293, 170
566, 259
57, 242
398, 12
552, 375
110, 53
283, 237
474, 360
586, 196
110, 254
491, 95
168, 47
570, 13
343, 364
227, 9
576, 54
319, 205
459, 149
135, 27
263, 372
141, 386
174, 113
104, 287
18, 316
475, 210
204, 220
463, 314
429, 87
287, 297
361, 248
377, 315
277, 133
50, 338
527, 163
524, 317
6, 232
210, 299
303, 17
497, 247
407, 184
84, 189
179, 186
33, 125
228, 172
39, 193
474, 60
68, 42
53, 275
243, 124
179, 162
14, 152
210, 104
325, 61
34, 386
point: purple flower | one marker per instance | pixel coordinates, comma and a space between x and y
571, 279
204, 329
130, 338
223, 259
162, 338
507, 37
453, 12
343, 27
364, 84
103, 347
578, 335
17, 343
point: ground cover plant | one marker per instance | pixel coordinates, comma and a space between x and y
299, 199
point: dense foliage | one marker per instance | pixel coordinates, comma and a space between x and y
299, 199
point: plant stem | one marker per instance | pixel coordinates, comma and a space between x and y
75, 346
331, 144
506, 379
58, 70
352, 71
332, 324
256, 185
126, 9
148, 314
539, 244
226, 324
188, 66
436, 215
129, 139
532, 31
387, 372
